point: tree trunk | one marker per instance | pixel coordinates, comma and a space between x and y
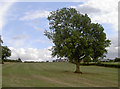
2, 62
78, 67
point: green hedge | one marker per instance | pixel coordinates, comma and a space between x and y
102, 64
9, 60
109, 65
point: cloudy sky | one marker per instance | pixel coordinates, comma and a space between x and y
22, 25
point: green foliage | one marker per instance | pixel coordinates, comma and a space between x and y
109, 65
54, 61
87, 60
1, 61
1, 41
104, 64
111, 60
6, 52
6, 60
10, 60
19, 59
74, 36
117, 59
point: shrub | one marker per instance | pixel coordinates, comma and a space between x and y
111, 60
117, 59
53, 61
110, 65
10, 60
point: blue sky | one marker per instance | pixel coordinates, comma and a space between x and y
25, 22
31, 30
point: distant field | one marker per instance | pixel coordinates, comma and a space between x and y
57, 75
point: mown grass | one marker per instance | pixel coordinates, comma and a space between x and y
114, 63
57, 75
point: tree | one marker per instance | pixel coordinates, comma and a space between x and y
0, 49
1, 41
19, 60
117, 59
100, 43
6, 52
75, 37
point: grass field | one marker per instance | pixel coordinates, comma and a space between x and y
114, 63
57, 75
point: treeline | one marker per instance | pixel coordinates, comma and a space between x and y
105, 64
36, 61
87, 60
117, 60
10, 60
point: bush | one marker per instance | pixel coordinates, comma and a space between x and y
117, 59
109, 65
111, 60
19, 60
47, 61
101, 64
53, 61
10, 60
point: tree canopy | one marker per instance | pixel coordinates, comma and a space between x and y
4, 51
75, 36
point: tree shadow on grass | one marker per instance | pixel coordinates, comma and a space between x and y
83, 73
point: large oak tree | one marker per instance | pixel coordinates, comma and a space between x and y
75, 37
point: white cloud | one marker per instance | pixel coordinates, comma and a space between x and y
18, 41
104, 11
21, 36
31, 15
31, 54
4, 6
112, 52
113, 49
88, 9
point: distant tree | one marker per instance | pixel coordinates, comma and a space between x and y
19, 60
47, 61
1, 41
75, 37
117, 59
111, 60
0, 49
53, 61
6, 52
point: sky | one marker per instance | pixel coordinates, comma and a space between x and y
22, 25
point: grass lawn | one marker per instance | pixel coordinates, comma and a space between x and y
57, 75
114, 63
